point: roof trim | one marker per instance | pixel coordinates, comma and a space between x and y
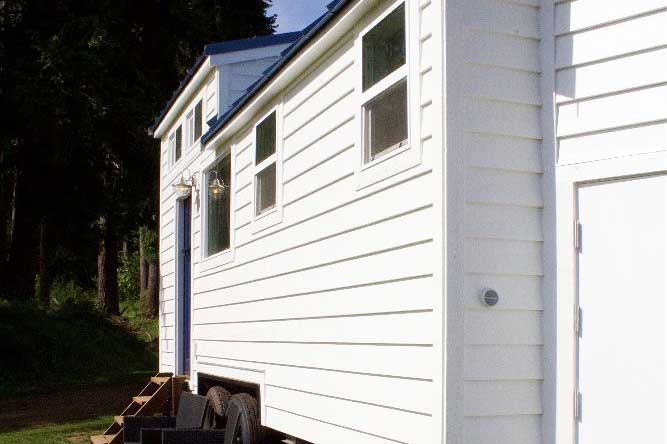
308, 34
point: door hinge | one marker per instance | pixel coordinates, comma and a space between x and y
578, 319
577, 235
577, 406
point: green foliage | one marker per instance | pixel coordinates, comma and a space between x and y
67, 433
150, 242
146, 328
65, 292
72, 344
128, 277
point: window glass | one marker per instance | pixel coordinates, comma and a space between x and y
198, 120
265, 191
384, 48
218, 207
386, 121
266, 139
179, 142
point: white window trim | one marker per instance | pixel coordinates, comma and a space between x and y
171, 149
273, 216
190, 127
225, 256
401, 158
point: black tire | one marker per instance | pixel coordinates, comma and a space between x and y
218, 401
243, 423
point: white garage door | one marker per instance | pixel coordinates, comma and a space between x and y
622, 292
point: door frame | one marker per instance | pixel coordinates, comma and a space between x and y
560, 302
178, 321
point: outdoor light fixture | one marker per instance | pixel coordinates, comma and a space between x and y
183, 187
216, 187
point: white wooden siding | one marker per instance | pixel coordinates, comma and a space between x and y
610, 98
495, 102
332, 309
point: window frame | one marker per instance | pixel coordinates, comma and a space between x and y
395, 160
190, 127
270, 216
384, 85
225, 256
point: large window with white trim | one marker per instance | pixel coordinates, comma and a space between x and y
385, 86
265, 164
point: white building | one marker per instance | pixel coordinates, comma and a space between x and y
384, 169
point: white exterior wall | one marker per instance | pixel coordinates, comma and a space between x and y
494, 173
605, 77
331, 309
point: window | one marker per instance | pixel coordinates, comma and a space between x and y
218, 205
385, 86
198, 120
265, 163
177, 143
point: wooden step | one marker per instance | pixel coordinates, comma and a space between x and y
101, 439
141, 400
160, 379
118, 419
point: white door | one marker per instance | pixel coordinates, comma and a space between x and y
622, 289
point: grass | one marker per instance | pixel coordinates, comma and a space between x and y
77, 431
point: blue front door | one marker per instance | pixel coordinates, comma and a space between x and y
184, 285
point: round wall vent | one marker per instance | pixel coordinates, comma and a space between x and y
490, 297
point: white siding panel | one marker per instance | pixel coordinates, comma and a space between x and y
502, 50
385, 297
397, 361
493, 398
484, 185
500, 362
609, 144
524, 429
492, 256
398, 393
389, 423
630, 36
503, 84
612, 76
516, 292
493, 116
575, 16
400, 328
647, 105
503, 17
503, 222
506, 327
503, 152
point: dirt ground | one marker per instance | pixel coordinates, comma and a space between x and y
65, 406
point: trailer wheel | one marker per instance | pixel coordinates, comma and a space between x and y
218, 401
243, 423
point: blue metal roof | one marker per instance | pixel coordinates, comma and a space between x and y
222, 48
288, 54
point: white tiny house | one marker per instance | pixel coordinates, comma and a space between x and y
347, 196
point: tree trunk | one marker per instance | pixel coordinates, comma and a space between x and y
143, 263
44, 281
152, 292
107, 268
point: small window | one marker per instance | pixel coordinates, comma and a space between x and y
386, 121
265, 194
178, 143
265, 163
266, 138
384, 47
198, 121
385, 86
218, 206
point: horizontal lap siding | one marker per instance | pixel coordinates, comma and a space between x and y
610, 98
502, 346
334, 305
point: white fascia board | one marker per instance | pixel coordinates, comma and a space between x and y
184, 97
307, 57
248, 54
